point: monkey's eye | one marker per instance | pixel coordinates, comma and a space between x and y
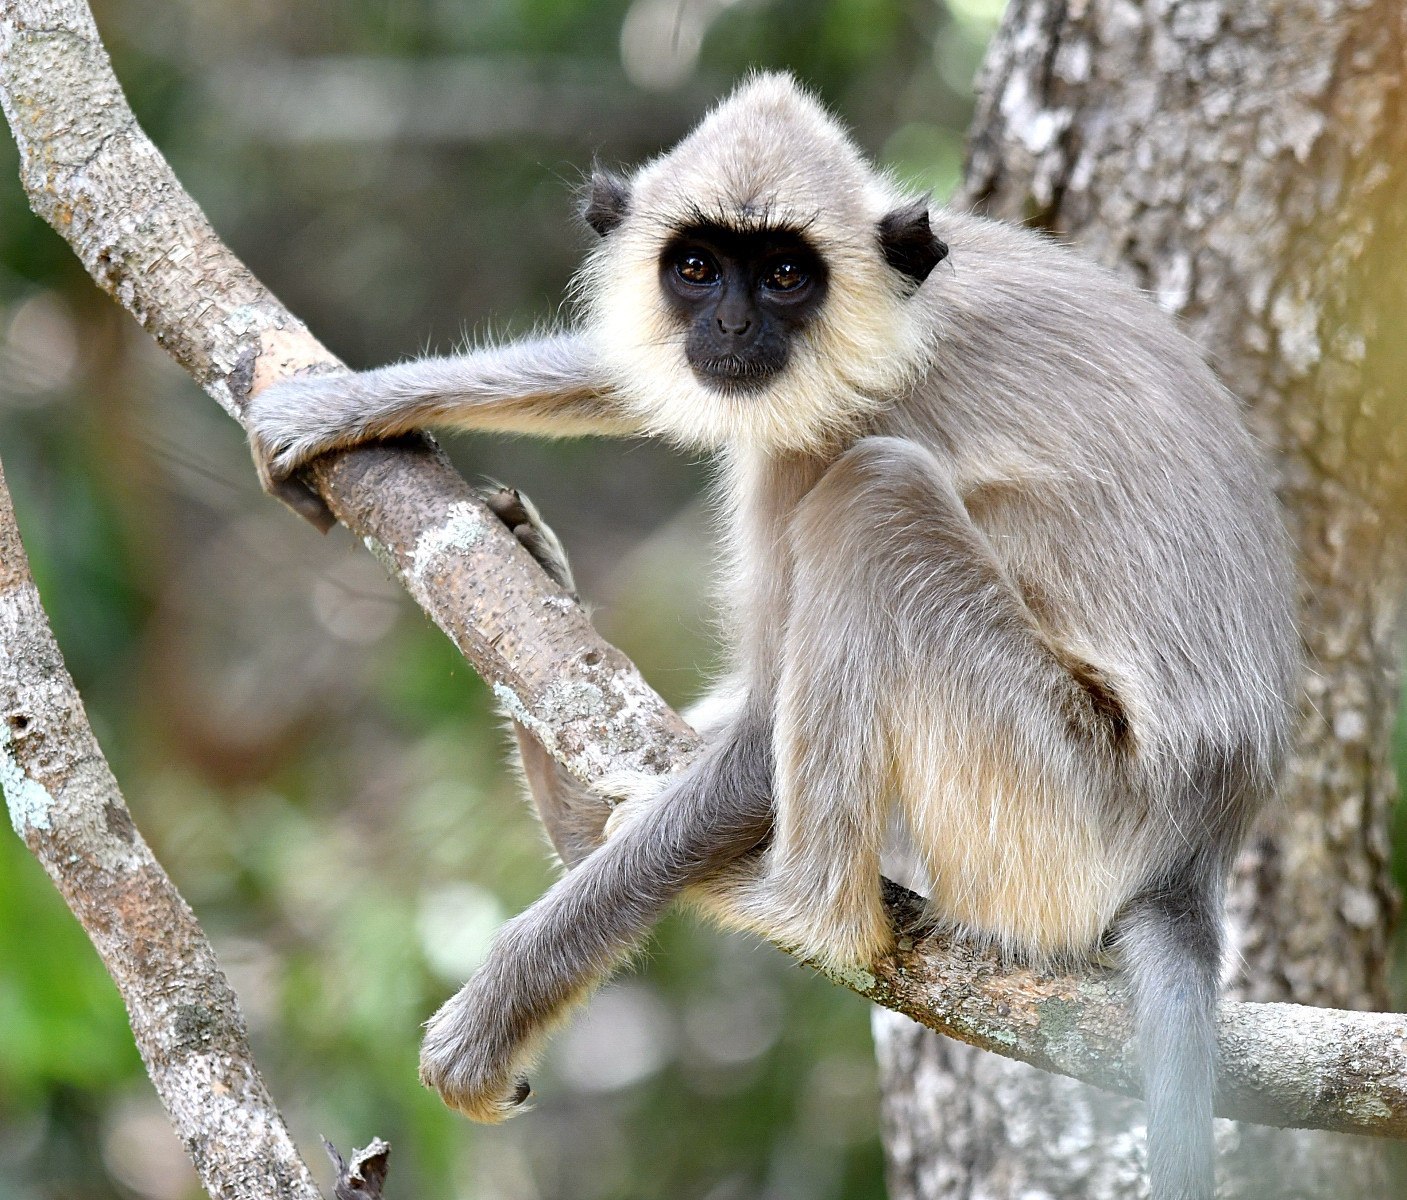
696, 268
785, 276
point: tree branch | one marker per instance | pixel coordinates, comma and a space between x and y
92, 174
65, 803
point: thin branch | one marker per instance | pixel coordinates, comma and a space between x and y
92, 174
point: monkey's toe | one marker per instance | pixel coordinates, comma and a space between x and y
915, 922
303, 500
533, 533
506, 503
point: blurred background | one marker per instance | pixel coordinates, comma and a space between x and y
319, 771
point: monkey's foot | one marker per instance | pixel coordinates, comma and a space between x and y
471, 1063
838, 941
914, 921
533, 533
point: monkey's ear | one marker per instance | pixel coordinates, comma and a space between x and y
908, 242
607, 197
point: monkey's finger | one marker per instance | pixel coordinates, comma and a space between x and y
302, 499
521, 1091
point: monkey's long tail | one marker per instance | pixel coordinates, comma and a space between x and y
1171, 940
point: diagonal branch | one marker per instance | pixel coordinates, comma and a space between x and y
92, 173
65, 803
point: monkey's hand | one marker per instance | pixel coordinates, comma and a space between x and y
293, 421
471, 1054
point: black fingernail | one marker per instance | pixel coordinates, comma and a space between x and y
522, 1091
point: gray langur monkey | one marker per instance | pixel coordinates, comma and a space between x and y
1005, 566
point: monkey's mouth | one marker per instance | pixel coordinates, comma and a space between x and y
736, 372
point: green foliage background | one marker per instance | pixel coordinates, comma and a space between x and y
316, 767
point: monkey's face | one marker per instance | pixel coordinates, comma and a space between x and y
741, 300
724, 328
758, 285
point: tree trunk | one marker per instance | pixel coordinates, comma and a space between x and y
1247, 164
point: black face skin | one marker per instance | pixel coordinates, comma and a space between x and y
742, 297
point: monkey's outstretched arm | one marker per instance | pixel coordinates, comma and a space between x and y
551, 386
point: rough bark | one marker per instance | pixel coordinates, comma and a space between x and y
92, 173
1247, 164
65, 803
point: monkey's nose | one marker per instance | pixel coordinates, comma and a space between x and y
735, 326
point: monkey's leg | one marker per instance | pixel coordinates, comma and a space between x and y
573, 815
913, 668
913, 672
570, 812
550, 386
817, 885
549, 958
578, 819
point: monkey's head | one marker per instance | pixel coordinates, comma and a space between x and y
758, 283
